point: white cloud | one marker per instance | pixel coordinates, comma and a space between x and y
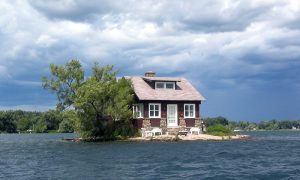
214, 43
3, 73
45, 40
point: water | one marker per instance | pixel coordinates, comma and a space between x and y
272, 155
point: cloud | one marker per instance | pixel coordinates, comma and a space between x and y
71, 10
221, 46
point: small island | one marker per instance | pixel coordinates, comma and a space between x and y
102, 107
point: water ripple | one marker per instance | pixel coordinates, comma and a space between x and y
273, 155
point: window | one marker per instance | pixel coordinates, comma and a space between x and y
160, 85
170, 85
154, 110
138, 110
189, 110
164, 85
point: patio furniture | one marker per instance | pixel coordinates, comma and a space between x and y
183, 132
156, 130
146, 133
195, 129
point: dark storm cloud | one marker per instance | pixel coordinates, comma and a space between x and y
78, 10
230, 50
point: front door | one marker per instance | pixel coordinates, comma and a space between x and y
172, 115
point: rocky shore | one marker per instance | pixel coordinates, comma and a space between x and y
189, 137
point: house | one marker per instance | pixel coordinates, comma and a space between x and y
171, 104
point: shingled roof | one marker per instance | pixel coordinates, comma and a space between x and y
184, 91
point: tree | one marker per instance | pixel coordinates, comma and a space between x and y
24, 124
52, 119
68, 124
97, 99
8, 122
40, 126
64, 82
217, 120
101, 98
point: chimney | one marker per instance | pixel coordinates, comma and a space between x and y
150, 74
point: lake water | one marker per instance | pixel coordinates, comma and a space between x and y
272, 155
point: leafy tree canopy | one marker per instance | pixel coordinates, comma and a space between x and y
96, 99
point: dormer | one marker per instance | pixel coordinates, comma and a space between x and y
165, 85
160, 83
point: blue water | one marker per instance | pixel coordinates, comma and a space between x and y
272, 155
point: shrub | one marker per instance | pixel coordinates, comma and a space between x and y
219, 130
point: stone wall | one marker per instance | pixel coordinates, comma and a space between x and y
197, 122
163, 125
182, 123
147, 124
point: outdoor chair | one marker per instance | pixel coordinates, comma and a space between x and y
195, 129
146, 133
156, 130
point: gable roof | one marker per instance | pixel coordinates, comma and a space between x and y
184, 92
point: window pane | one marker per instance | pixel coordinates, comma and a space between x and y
160, 85
156, 107
156, 113
191, 107
141, 110
186, 107
151, 107
170, 86
191, 114
186, 113
151, 113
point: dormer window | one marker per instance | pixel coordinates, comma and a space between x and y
170, 85
159, 85
164, 85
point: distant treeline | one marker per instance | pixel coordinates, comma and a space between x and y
54, 121
248, 126
39, 122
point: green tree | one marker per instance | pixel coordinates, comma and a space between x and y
64, 82
8, 122
101, 98
68, 124
52, 119
24, 124
97, 100
217, 120
40, 126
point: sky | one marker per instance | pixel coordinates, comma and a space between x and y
243, 56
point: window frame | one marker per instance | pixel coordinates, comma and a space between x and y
159, 83
159, 110
140, 113
189, 111
173, 83
165, 85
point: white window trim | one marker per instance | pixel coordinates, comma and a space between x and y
157, 87
170, 83
165, 85
159, 110
194, 109
139, 114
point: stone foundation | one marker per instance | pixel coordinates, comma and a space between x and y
147, 124
163, 125
182, 123
197, 122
